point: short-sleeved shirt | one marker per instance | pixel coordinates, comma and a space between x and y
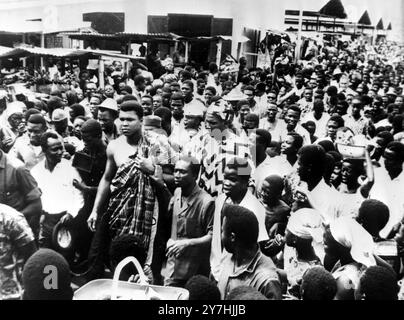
26, 152
193, 218
259, 273
17, 185
14, 234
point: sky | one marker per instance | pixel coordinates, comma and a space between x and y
258, 14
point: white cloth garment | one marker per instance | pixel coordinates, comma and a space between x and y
58, 192
349, 233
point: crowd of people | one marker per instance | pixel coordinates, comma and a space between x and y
234, 183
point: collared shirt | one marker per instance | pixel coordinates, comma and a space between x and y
177, 125
138, 94
391, 193
58, 193
275, 128
180, 137
305, 106
160, 149
193, 146
26, 152
192, 218
249, 202
259, 273
359, 126
17, 185
14, 234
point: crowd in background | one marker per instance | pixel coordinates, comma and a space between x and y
233, 182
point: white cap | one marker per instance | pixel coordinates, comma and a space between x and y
110, 104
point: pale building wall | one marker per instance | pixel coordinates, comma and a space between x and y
257, 14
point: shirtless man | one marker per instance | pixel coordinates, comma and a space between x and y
119, 184
118, 152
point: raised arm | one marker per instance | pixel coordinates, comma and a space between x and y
365, 189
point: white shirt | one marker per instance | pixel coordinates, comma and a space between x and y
275, 128
278, 165
305, 106
299, 130
391, 193
327, 201
249, 202
26, 152
261, 105
357, 126
86, 105
58, 193
321, 124
383, 123
261, 172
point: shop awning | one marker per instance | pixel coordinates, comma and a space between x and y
121, 36
6, 52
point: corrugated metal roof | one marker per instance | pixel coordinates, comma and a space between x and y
90, 35
120, 36
6, 52
212, 38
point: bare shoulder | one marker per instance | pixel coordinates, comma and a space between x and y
116, 144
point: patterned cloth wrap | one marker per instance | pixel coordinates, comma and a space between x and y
132, 201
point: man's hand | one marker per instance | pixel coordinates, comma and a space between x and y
176, 247
274, 230
7, 142
66, 218
273, 246
80, 186
92, 219
144, 164
66, 155
300, 198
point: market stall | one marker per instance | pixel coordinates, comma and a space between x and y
72, 54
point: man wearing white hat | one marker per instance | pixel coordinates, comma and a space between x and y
14, 125
107, 114
193, 117
391, 94
60, 125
